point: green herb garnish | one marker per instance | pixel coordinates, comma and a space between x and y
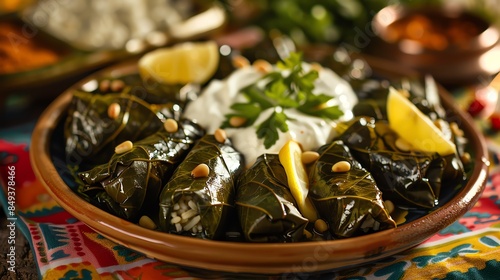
291, 87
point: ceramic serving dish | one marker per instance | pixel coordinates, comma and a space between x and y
78, 61
47, 156
454, 45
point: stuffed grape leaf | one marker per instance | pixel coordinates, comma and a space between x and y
266, 208
211, 196
408, 178
349, 202
130, 183
91, 134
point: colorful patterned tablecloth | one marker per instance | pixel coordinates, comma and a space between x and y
66, 248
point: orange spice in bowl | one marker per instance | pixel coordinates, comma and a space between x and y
435, 30
455, 46
21, 50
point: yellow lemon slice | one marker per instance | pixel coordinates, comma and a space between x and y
415, 127
290, 156
191, 62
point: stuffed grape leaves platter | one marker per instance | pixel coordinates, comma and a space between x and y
50, 165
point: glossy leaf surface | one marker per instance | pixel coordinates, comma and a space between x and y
130, 183
408, 178
266, 208
350, 202
213, 194
91, 134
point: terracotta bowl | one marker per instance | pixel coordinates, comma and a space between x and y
454, 46
49, 166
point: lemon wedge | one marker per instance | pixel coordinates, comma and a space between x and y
190, 62
415, 127
290, 156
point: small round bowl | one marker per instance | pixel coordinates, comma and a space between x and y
455, 46
48, 161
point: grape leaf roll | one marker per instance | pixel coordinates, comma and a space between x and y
349, 201
408, 178
130, 182
266, 208
198, 204
96, 123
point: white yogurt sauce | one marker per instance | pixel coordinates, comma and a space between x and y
214, 103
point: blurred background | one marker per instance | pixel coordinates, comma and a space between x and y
48, 45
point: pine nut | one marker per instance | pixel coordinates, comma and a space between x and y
171, 125
439, 123
177, 206
309, 157
124, 147
404, 93
117, 85
146, 222
456, 130
202, 170
341, 166
466, 158
114, 110
240, 61
320, 225
237, 121
104, 85
316, 66
220, 135
262, 66
402, 145
389, 206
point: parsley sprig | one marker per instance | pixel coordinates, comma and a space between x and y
289, 87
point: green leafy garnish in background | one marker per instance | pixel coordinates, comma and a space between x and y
289, 87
